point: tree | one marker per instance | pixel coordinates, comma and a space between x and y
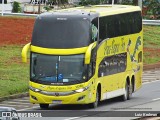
90, 2
153, 8
16, 7
127, 2
135, 2
58, 2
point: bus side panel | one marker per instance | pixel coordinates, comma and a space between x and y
111, 64
119, 58
135, 58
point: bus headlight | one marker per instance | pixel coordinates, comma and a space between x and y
34, 89
82, 89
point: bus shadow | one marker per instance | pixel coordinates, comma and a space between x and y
83, 107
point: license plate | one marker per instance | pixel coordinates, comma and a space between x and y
57, 101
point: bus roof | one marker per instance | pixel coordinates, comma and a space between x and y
69, 13
105, 10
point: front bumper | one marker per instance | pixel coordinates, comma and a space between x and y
84, 97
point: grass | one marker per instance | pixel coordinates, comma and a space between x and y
151, 36
151, 44
14, 74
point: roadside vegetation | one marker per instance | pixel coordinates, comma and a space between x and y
14, 75
151, 44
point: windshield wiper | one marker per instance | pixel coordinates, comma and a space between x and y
38, 77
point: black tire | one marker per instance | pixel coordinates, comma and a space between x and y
44, 106
128, 92
95, 104
133, 87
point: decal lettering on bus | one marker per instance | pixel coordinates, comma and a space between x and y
114, 47
136, 67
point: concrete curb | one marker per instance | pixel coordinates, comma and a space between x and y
151, 66
14, 96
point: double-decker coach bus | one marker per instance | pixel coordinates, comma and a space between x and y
85, 55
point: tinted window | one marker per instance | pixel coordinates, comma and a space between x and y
61, 33
113, 64
119, 25
94, 29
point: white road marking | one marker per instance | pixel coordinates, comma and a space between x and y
155, 99
72, 118
150, 82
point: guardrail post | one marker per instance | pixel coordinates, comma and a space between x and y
140, 4
2, 7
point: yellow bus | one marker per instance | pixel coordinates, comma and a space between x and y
85, 55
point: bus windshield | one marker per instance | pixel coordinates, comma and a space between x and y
58, 69
61, 33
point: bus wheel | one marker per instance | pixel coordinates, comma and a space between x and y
128, 92
44, 106
95, 104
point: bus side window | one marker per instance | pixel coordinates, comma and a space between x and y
94, 30
92, 65
90, 70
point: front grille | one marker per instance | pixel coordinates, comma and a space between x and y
57, 93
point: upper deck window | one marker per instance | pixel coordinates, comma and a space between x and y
61, 32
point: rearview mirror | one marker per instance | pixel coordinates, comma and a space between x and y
24, 52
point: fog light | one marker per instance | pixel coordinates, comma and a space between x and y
80, 98
33, 97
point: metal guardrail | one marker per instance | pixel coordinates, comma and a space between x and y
145, 22
19, 14
151, 22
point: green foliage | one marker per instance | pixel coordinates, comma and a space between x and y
90, 2
127, 2
94, 2
152, 42
47, 8
16, 7
14, 74
57, 2
153, 7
